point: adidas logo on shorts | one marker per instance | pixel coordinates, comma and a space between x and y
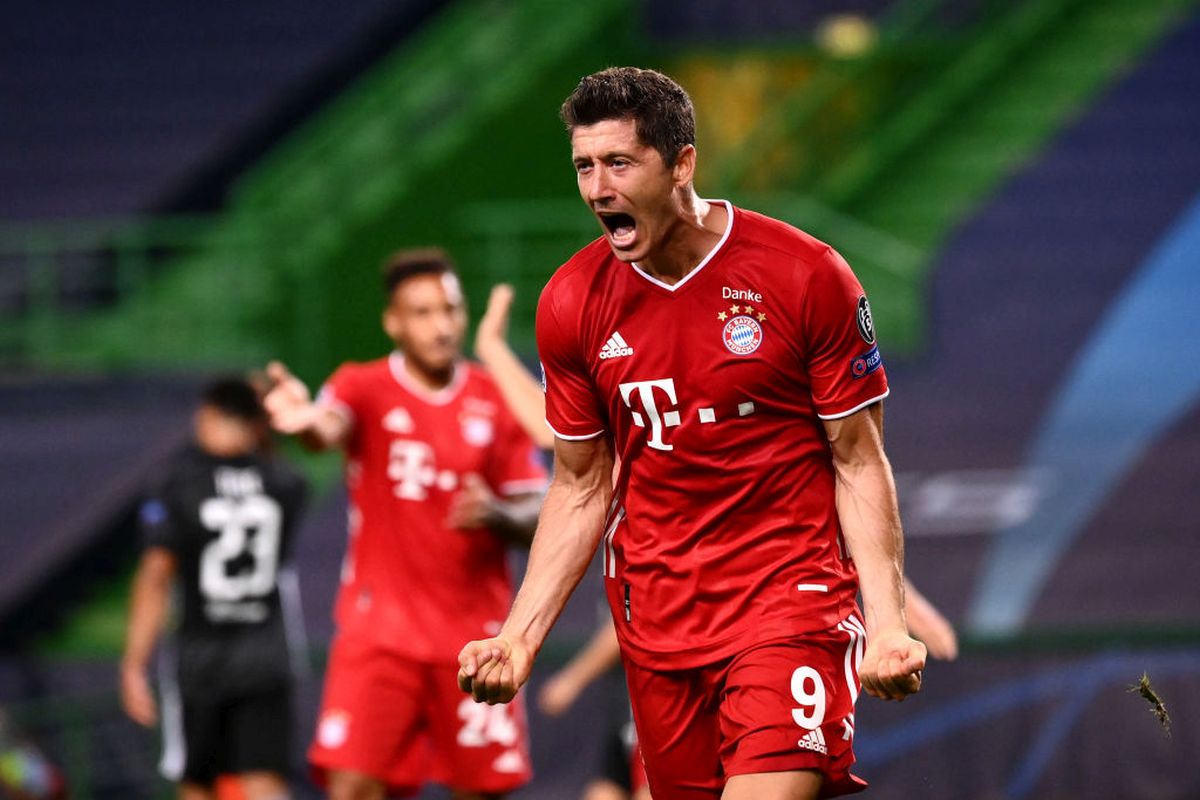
615, 347
814, 740
510, 761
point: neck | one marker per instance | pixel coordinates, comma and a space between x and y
427, 377
228, 442
697, 230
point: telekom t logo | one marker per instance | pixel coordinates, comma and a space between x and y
645, 397
411, 466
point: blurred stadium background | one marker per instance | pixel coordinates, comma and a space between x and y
191, 187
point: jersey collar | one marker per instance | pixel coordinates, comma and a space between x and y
703, 263
438, 397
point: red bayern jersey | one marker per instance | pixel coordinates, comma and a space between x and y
724, 531
409, 581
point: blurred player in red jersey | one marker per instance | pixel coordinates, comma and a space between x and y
729, 361
441, 478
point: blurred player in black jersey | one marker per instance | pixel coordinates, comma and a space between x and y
218, 525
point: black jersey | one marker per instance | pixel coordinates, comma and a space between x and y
230, 523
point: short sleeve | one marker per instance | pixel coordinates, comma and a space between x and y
844, 365
515, 465
292, 491
157, 519
342, 391
573, 410
293, 496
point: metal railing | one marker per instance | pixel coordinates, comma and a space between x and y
98, 294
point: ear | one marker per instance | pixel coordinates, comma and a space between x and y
391, 323
685, 166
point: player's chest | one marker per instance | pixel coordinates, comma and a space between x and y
709, 353
424, 450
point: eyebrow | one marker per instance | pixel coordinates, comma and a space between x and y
609, 156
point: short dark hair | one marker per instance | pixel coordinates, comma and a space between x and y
659, 107
233, 396
405, 264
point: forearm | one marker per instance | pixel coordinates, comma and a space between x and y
566, 538
149, 601
520, 390
870, 521
327, 430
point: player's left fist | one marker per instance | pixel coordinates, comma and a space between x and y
892, 664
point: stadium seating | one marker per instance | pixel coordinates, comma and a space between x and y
112, 109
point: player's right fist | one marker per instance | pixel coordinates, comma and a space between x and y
492, 670
288, 403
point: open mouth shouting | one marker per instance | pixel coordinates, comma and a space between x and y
622, 228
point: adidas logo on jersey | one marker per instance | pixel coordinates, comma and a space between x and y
814, 740
398, 420
615, 347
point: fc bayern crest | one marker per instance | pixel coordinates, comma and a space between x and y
478, 431
742, 335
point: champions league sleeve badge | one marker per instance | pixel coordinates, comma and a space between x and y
743, 333
866, 325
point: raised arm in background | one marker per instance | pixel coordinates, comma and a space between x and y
520, 389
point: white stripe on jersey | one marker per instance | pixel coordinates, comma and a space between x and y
859, 407
564, 437
610, 553
854, 652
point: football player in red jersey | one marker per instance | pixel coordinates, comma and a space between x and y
619, 769
441, 479
729, 362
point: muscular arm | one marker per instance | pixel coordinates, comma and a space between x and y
149, 602
292, 412
567, 535
870, 521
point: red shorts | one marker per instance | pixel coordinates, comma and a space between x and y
406, 723
776, 707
